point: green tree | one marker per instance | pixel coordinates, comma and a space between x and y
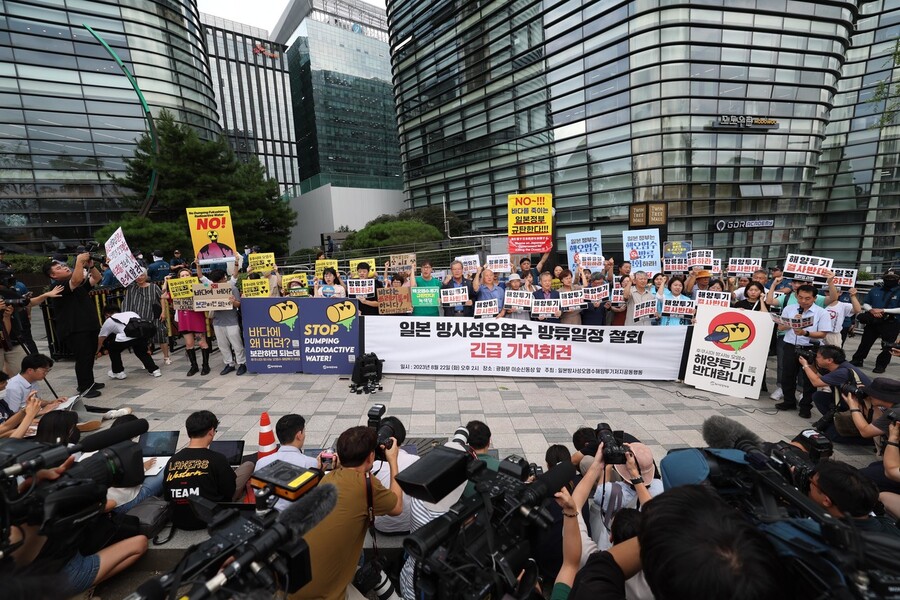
147, 235
195, 172
434, 215
886, 98
394, 233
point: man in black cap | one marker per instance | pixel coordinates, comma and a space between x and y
873, 422
176, 261
159, 268
881, 320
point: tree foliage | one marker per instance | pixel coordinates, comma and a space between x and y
393, 233
148, 235
430, 215
886, 98
195, 172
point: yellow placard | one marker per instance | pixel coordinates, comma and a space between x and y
255, 288
183, 287
354, 263
323, 264
211, 232
295, 284
530, 223
261, 262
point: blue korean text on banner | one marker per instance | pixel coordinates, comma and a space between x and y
642, 249
329, 333
586, 242
272, 333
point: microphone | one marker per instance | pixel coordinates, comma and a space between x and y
544, 486
722, 432
56, 455
293, 522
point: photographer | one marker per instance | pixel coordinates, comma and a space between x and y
76, 321
837, 372
891, 500
883, 394
336, 543
480, 443
15, 322
399, 525
845, 494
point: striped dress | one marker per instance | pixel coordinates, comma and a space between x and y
141, 300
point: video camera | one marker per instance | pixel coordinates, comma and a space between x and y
464, 556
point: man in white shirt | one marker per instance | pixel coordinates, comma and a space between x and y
401, 523
795, 338
112, 337
291, 432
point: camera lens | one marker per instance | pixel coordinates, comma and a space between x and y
460, 436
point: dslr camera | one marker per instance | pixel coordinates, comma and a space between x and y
807, 352
385, 428
854, 390
93, 248
613, 449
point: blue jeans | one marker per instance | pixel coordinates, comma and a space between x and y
152, 486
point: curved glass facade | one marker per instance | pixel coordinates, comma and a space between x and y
857, 191
68, 115
717, 108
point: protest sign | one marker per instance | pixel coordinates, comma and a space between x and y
580, 244
677, 249
644, 309
519, 298
716, 269
470, 263
425, 297
324, 263
498, 263
487, 308
728, 351
255, 288
596, 293
120, 259
678, 307
458, 295
617, 295
354, 264
592, 261
403, 263
674, 266
271, 335
743, 267
798, 322
530, 223
511, 348
360, 287
211, 234
802, 267
700, 258
329, 335
182, 287
708, 298
212, 297
541, 306
261, 262
844, 279
641, 247
573, 300
295, 284
394, 301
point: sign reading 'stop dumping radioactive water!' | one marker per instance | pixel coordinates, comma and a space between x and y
530, 223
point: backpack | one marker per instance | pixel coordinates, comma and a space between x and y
366, 369
138, 328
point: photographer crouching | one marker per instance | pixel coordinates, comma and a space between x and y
830, 368
872, 413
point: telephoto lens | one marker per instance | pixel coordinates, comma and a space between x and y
461, 436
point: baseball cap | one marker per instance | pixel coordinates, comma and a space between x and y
704, 274
514, 277
889, 274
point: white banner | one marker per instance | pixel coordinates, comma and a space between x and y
674, 266
498, 263
582, 244
728, 351
807, 268
743, 266
360, 287
513, 348
706, 297
470, 263
596, 293
121, 261
487, 308
844, 279
519, 298
571, 300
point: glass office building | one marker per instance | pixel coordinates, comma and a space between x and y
253, 94
68, 115
716, 108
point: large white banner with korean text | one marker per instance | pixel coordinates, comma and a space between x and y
513, 348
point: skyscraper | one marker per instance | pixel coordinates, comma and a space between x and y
718, 111
69, 116
250, 78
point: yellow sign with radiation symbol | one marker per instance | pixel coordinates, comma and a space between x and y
211, 233
285, 313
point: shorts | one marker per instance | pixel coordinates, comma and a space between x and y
13, 358
81, 571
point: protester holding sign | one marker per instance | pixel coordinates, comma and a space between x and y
839, 311
760, 276
546, 292
368, 303
330, 285
698, 279
637, 293
228, 328
571, 316
192, 325
525, 267
514, 284
594, 312
456, 280
681, 306
425, 280
145, 299
753, 293
486, 288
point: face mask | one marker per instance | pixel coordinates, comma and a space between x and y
890, 283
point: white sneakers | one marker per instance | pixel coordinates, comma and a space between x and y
777, 394
112, 375
168, 361
157, 373
116, 413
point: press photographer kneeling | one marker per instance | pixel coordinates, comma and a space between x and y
872, 418
836, 423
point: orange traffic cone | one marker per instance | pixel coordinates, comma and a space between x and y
267, 443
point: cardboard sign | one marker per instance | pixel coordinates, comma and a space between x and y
571, 300
261, 262
530, 223
644, 309
255, 288
360, 287
518, 298
708, 298
182, 287
211, 233
458, 295
354, 264
324, 263
424, 297
641, 248
679, 307
541, 306
487, 308
844, 279
579, 245
677, 249
296, 285
700, 258
403, 263
394, 301
121, 260
470, 263
498, 263
674, 266
596, 293
212, 297
807, 268
743, 267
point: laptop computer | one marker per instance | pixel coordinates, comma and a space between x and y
70, 402
232, 449
159, 445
